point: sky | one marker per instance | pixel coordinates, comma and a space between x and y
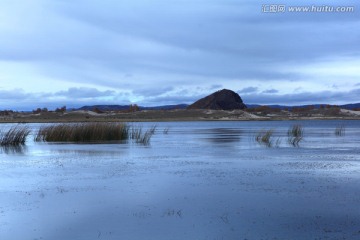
160, 52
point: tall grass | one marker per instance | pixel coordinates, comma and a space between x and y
94, 132
340, 130
138, 136
295, 135
152, 129
83, 132
144, 138
15, 136
135, 132
266, 138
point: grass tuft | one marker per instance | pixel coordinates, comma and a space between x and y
295, 135
15, 136
152, 129
143, 138
266, 138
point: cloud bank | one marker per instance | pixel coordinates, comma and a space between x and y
159, 52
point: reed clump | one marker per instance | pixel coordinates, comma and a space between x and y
15, 136
83, 132
145, 138
266, 138
295, 135
340, 130
141, 137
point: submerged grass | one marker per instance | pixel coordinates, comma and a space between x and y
83, 132
295, 135
15, 136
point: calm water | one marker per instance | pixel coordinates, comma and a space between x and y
202, 180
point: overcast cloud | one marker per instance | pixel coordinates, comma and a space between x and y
168, 52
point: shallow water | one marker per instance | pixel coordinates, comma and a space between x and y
202, 180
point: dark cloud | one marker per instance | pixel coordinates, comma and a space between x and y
270, 91
303, 97
73, 97
13, 95
248, 90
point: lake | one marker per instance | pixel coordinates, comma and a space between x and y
199, 180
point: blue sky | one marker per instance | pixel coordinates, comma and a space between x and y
82, 52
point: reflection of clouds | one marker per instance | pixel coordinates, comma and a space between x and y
222, 135
20, 149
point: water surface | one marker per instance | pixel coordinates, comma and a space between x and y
201, 180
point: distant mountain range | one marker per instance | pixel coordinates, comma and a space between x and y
184, 106
224, 99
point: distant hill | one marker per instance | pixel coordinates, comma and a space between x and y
221, 100
104, 107
351, 106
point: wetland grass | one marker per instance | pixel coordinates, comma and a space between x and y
295, 135
266, 138
15, 136
93, 133
83, 132
144, 138
138, 136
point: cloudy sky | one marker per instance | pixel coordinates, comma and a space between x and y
156, 52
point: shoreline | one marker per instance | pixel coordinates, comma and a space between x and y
173, 116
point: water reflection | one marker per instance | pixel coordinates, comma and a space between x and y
221, 135
21, 149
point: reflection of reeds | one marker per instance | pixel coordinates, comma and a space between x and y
11, 149
266, 138
83, 132
295, 135
340, 130
15, 136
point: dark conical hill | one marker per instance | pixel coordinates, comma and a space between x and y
221, 100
